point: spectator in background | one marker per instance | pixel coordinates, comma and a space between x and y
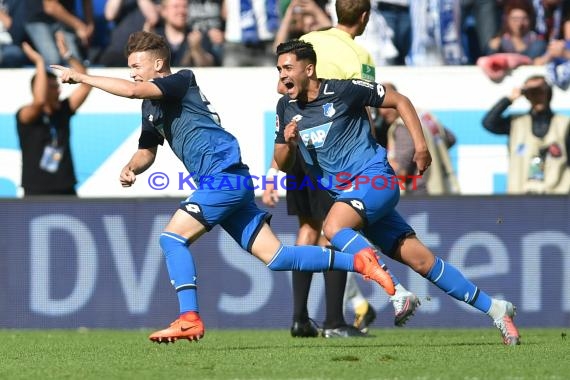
301, 17
11, 33
539, 140
377, 39
485, 18
436, 33
102, 33
128, 16
553, 25
44, 128
549, 18
45, 17
517, 34
205, 16
515, 45
186, 46
396, 13
440, 178
558, 60
250, 30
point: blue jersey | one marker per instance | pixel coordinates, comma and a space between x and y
186, 120
334, 128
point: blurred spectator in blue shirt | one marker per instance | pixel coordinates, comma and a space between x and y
436, 33
127, 16
11, 33
549, 18
187, 46
102, 32
45, 17
480, 20
250, 30
553, 25
396, 13
205, 16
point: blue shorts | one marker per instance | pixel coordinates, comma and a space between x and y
228, 200
374, 196
388, 232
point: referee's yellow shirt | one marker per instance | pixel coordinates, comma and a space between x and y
339, 56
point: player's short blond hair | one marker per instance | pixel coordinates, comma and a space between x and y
149, 42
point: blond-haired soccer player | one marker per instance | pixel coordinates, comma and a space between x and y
176, 110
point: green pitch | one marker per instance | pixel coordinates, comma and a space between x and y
273, 354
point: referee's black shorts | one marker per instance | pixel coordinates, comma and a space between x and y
306, 202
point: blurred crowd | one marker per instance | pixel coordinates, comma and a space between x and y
245, 32
498, 36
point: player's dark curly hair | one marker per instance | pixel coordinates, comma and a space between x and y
301, 49
145, 41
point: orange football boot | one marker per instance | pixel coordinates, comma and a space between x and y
188, 326
366, 263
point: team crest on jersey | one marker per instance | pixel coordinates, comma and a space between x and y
329, 110
315, 137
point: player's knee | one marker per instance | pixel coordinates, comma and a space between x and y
264, 244
331, 228
281, 260
421, 265
308, 235
169, 241
416, 255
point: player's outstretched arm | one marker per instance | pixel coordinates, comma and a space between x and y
115, 86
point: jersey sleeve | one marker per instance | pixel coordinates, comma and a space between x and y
360, 93
279, 122
149, 137
175, 85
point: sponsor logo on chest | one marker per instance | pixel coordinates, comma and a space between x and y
315, 137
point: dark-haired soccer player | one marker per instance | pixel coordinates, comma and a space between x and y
327, 121
176, 110
339, 57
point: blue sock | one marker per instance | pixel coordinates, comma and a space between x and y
350, 241
446, 277
181, 269
309, 258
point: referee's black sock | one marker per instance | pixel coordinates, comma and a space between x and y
335, 283
301, 287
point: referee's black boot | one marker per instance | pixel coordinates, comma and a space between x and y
306, 329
